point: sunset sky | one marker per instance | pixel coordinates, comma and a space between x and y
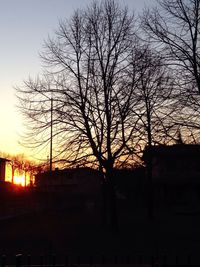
24, 25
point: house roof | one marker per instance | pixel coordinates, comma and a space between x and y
67, 171
4, 159
185, 150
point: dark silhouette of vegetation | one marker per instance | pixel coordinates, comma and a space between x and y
173, 29
87, 65
155, 106
174, 24
105, 93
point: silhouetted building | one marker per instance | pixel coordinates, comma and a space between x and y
130, 183
3, 165
175, 171
77, 179
76, 186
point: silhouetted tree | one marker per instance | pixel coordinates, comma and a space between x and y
15, 165
155, 105
22, 165
174, 27
87, 68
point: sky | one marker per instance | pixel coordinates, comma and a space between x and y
24, 25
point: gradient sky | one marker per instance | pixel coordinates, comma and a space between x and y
24, 25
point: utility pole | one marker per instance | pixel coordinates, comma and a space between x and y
51, 135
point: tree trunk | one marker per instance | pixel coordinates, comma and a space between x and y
104, 204
25, 179
113, 216
13, 173
150, 192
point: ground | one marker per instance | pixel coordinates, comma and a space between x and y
172, 236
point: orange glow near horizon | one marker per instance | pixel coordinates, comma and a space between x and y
19, 180
19, 176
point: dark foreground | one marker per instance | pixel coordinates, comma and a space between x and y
173, 236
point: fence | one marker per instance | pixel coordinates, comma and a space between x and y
20, 260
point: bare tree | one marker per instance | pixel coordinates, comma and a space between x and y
155, 106
20, 165
174, 26
174, 31
156, 97
86, 63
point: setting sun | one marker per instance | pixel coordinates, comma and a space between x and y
20, 176
20, 180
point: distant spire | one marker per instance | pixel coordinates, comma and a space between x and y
179, 140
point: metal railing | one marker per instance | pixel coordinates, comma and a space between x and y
139, 260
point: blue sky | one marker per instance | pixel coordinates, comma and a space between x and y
24, 25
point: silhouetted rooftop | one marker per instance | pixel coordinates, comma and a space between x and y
4, 159
175, 150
